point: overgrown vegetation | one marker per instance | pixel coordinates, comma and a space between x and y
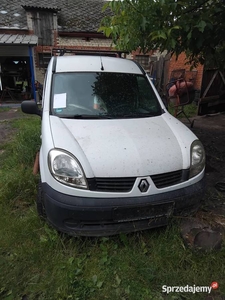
194, 27
38, 263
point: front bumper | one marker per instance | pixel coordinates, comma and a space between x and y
108, 216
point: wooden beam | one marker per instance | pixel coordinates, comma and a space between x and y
210, 83
221, 74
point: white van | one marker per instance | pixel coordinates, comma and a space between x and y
112, 158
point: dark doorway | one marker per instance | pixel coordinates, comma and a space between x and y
15, 78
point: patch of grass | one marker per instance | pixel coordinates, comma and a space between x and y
19, 154
39, 263
191, 110
4, 109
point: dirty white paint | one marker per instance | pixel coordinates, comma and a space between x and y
124, 147
136, 147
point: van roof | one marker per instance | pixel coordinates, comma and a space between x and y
88, 63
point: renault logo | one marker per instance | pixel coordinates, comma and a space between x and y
143, 185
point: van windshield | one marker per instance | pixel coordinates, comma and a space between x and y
103, 95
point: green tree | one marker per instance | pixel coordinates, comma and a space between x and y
196, 27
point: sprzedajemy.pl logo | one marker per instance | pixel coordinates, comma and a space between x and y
190, 288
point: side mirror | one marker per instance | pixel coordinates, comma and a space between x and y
30, 107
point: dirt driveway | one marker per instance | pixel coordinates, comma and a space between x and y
210, 130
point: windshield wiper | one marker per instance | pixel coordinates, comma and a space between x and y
111, 116
85, 116
135, 115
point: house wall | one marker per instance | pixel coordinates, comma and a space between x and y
180, 64
40, 74
170, 64
70, 43
106, 44
83, 44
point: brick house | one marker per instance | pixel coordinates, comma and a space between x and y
30, 32
180, 64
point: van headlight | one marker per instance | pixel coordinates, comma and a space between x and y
66, 169
197, 158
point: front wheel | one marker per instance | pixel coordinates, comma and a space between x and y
40, 202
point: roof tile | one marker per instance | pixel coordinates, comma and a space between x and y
73, 15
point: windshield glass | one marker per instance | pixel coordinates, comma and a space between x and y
101, 95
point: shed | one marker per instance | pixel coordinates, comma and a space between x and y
17, 65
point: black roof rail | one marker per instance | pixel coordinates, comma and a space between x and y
113, 53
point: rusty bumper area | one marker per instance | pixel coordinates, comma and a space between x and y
109, 216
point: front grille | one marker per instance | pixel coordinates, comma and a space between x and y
168, 179
111, 184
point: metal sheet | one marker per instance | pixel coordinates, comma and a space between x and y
18, 39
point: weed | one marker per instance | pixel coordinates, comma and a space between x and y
190, 110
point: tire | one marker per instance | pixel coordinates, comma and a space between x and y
40, 202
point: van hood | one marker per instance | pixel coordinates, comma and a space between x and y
125, 147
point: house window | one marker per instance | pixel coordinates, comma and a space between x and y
44, 59
143, 60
